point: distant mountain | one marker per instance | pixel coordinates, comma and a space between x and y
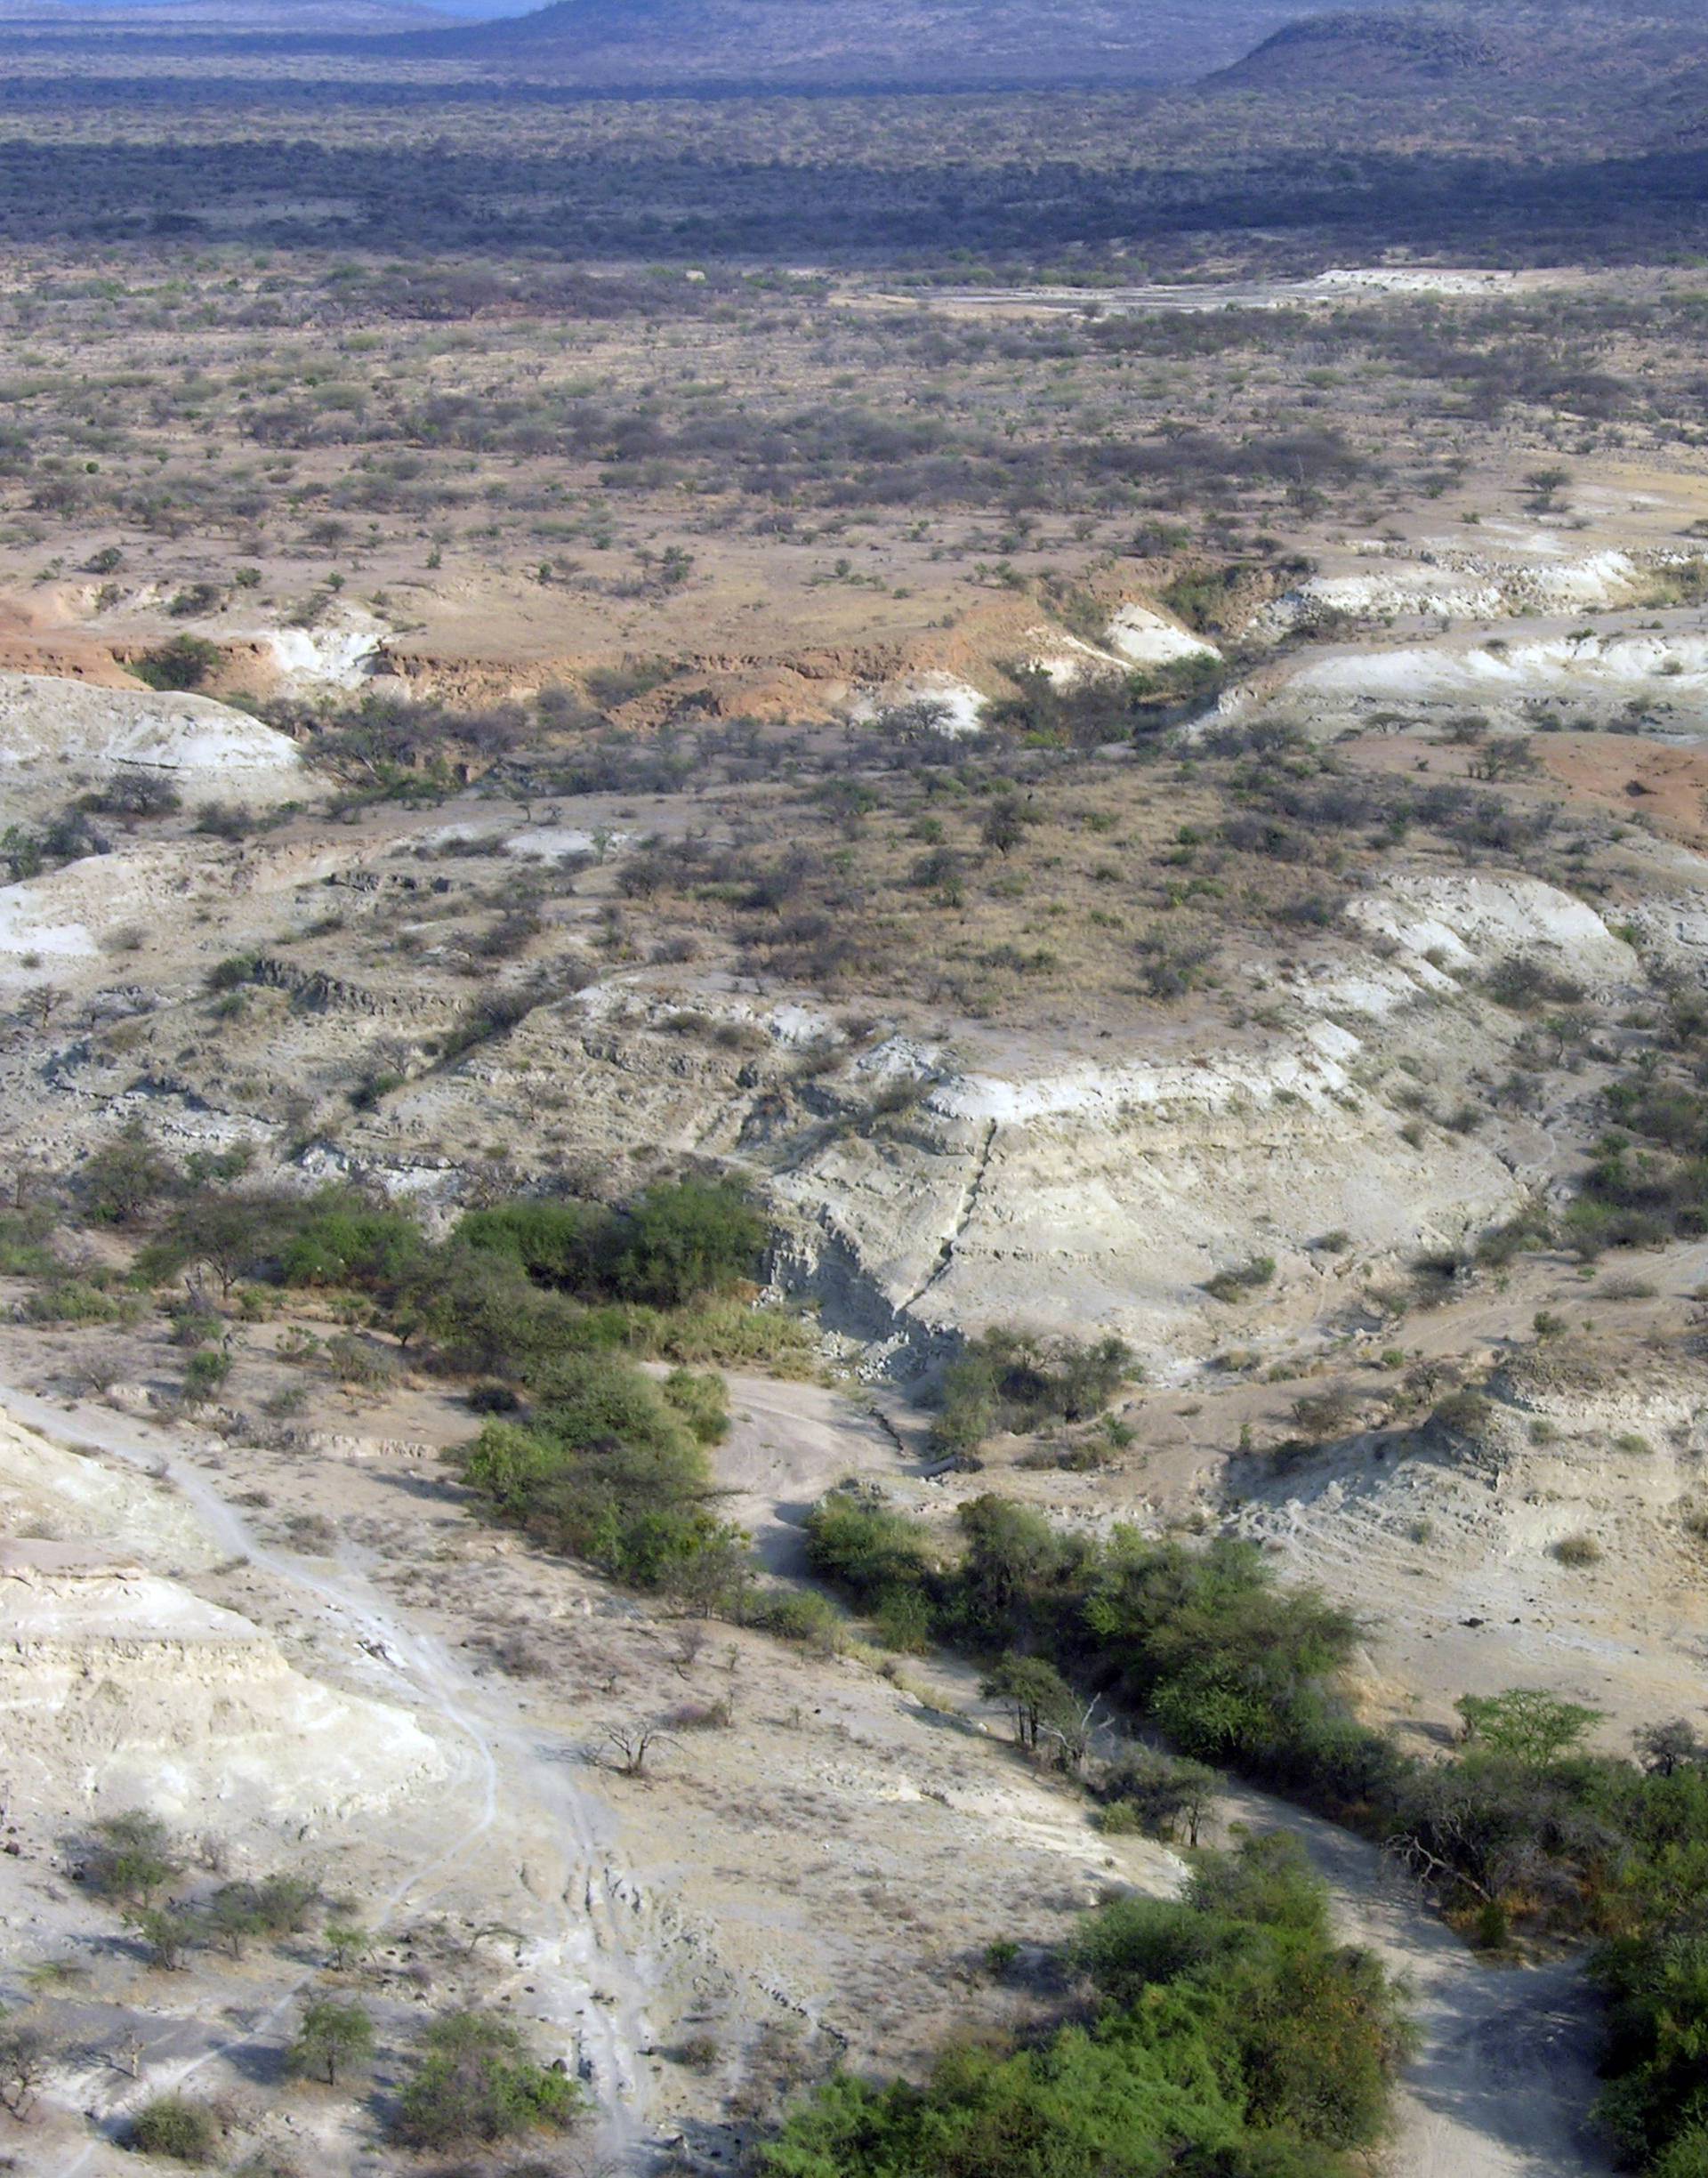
1562, 49
855, 44
217, 18
1359, 51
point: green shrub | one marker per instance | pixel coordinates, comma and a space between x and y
194, 1324
474, 2081
166, 1934
130, 1856
331, 2037
866, 1549
76, 1301
689, 1239
203, 1373
1236, 2037
172, 2127
1234, 1284
125, 1179
278, 1905
185, 662
1526, 1726
360, 1362
569, 1245
904, 1620
1235, 1669
609, 1470
343, 1244
1003, 1380
1039, 1702
1232, 1667
1150, 1791
803, 1615
24, 1250
233, 972
484, 1316
733, 1334
1494, 1928
703, 1402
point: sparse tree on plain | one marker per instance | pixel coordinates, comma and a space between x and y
331, 2038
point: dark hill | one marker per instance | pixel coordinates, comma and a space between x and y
854, 45
1554, 52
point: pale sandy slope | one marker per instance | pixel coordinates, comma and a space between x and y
1503, 2079
580, 1950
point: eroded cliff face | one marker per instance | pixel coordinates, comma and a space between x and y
925, 1183
60, 736
1082, 1160
1104, 1194
120, 1686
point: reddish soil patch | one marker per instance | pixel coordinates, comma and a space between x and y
1664, 788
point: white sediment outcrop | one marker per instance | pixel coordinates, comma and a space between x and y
952, 706
120, 1686
1142, 637
59, 737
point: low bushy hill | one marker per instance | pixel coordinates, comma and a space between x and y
1505, 45
851, 44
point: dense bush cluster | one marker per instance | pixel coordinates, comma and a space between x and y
1648, 1179
513, 1291
1236, 1670
611, 1467
1227, 2033
675, 1243
475, 2084
1004, 1380
546, 1299
173, 2127
1653, 1971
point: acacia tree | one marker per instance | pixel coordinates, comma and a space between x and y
130, 1858
1169, 1793
332, 2037
126, 1177
166, 1934
475, 2081
631, 1743
347, 1942
225, 1234
1664, 1748
1038, 1700
1525, 1725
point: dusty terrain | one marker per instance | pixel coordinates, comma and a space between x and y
754, 1886
1226, 991
800, 1883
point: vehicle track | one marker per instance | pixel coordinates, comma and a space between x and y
589, 1946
